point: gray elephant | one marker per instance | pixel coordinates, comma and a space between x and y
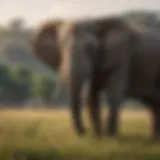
112, 56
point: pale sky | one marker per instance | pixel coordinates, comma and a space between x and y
37, 10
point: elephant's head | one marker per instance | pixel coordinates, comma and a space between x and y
45, 44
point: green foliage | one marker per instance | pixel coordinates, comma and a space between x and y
23, 75
19, 85
44, 88
15, 88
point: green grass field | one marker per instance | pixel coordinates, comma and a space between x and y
48, 135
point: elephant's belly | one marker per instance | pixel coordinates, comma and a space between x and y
142, 77
140, 92
141, 84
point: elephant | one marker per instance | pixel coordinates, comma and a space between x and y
113, 56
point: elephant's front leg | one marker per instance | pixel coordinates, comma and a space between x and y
116, 88
113, 117
93, 104
75, 103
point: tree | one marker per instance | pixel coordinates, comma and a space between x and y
15, 86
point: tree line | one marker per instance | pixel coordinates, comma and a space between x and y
19, 87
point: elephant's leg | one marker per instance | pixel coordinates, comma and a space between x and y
113, 116
156, 122
156, 110
117, 60
75, 103
116, 89
93, 104
154, 105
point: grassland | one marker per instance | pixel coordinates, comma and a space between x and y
48, 135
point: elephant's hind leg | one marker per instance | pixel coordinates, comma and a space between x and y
154, 107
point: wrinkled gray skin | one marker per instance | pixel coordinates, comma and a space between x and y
114, 58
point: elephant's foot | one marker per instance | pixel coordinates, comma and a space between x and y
112, 128
81, 131
112, 133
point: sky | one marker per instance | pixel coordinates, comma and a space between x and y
35, 11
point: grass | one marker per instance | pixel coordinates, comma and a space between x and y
48, 135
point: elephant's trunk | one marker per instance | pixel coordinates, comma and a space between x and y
75, 69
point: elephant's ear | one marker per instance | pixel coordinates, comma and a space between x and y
45, 45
